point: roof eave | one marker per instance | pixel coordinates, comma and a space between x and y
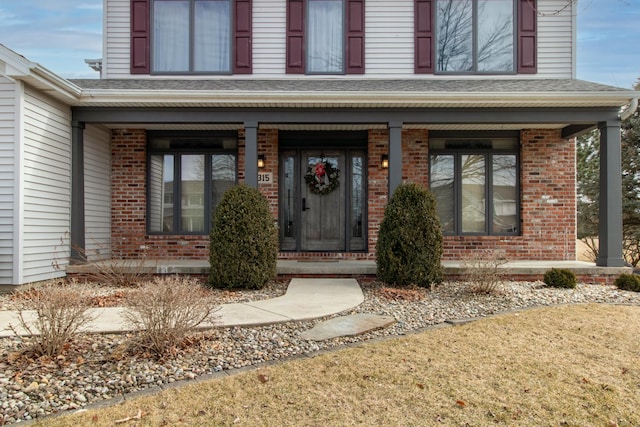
97, 97
18, 67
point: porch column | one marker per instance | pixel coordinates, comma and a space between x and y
395, 156
251, 154
610, 226
77, 192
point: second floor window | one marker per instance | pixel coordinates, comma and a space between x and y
475, 36
191, 36
325, 37
325, 41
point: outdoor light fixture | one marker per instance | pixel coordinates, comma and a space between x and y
261, 161
384, 161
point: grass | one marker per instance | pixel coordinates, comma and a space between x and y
560, 366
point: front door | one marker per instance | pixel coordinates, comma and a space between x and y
322, 200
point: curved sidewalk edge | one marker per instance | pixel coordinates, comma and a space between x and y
305, 299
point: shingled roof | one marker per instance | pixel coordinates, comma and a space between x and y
350, 85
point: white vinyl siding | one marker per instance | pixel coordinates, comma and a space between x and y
389, 41
117, 47
7, 173
389, 38
97, 192
47, 187
269, 37
555, 39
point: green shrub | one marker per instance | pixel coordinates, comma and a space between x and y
628, 282
409, 245
560, 278
244, 241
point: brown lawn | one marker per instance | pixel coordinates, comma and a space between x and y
562, 366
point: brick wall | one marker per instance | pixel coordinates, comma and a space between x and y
268, 146
128, 189
548, 198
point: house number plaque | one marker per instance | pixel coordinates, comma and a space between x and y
265, 178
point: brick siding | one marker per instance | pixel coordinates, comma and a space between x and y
547, 180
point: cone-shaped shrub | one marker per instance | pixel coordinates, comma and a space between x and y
244, 241
409, 245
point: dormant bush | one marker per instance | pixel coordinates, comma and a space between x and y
481, 271
165, 311
60, 312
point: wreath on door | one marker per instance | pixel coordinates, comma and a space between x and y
322, 178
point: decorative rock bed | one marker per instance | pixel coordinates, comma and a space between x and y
96, 367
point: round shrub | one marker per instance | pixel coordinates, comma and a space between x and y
409, 246
243, 241
628, 282
560, 278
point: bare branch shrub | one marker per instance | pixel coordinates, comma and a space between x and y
165, 311
481, 271
60, 311
121, 273
116, 272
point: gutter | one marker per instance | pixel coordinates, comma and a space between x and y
56, 83
633, 106
97, 97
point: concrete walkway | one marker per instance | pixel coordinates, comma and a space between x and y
305, 299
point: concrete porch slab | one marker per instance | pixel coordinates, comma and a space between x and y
525, 270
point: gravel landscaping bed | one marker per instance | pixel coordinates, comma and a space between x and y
96, 367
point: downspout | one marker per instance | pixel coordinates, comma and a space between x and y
633, 106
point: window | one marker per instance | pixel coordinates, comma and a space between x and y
188, 174
475, 182
191, 36
475, 36
325, 37
325, 41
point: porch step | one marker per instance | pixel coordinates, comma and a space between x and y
286, 268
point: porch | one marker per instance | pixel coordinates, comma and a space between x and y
520, 270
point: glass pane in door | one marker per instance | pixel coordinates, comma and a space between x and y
358, 233
288, 202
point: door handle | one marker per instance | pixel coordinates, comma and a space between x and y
304, 204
